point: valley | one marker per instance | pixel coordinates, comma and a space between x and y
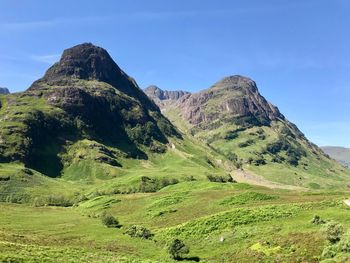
94, 169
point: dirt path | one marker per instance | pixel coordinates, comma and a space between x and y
250, 178
347, 202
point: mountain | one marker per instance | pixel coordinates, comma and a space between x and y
86, 120
92, 170
84, 96
341, 154
164, 98
235, 120
4, 91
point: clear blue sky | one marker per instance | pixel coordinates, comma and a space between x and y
298, 51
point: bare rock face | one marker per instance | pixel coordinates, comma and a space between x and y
165, 98
156, 93
232, 97
4, 91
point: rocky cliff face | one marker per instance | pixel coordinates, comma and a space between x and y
232, 97
4, 91
165, 98
156, 93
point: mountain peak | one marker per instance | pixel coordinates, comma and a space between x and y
88, 62
235, 96
85, 61
236, 82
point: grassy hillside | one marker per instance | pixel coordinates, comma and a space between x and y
219, 222
277, 152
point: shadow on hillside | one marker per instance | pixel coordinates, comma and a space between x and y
195, 259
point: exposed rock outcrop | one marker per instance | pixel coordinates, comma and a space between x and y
89, 62
233, 96
165, 98
156, 93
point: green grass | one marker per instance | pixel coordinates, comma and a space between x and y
247, 197
58, 219
265, 226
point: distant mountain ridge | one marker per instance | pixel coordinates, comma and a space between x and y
164, 98
156, 93
340, 154
4, 91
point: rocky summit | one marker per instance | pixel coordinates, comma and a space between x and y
234, 96
89, 62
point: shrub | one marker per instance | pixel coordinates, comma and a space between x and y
234, 159
246, 143
251, 121
177, 249
190, 178
260, 131
277, 159
250, 160
262, 136
231, 135
334, 231
259, 161
276, 147
232, 156
294, 153
317, 220
287, 132
58, 200
220, 178
109, 221
157, 148
150, 185
139, 231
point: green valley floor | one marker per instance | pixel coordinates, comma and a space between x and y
219, 222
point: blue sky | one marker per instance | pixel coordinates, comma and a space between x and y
297, 51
